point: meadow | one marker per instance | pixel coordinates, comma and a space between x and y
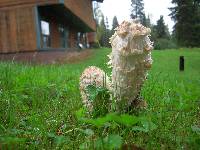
41, 108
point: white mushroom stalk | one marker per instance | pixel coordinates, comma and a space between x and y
130, 60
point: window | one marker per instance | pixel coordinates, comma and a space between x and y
63, 36
82, 40
45, 27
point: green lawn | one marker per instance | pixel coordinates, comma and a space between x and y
39, 103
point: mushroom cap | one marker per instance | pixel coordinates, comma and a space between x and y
92, 76
131, 38
133, 27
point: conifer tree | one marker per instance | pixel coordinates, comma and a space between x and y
102, 27
161, 36
98, 15
161, 29
115, 24
148, 22
186, 15
107, 34
137, 11
104, 32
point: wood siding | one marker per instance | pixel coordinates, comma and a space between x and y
55, 35
10, 3
73, 38
17, 30
82, 9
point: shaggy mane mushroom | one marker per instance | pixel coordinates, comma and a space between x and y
130, 60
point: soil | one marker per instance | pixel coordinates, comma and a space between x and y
48, 57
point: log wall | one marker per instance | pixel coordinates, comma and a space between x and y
18, 25
17, 30
82, 9
73, 38
11, 3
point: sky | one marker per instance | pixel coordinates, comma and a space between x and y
122, 9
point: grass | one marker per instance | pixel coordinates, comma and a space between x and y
39, 106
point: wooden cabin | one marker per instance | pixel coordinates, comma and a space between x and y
40, 25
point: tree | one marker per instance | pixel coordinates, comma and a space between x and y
98, 15
186, 14
161, 29
196, 33
137, 11
115, 24
104, 32
107, 34
147, 21
161, 36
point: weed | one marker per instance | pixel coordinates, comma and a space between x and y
41, 108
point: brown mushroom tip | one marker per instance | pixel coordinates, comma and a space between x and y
148, 65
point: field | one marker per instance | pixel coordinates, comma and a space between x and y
41, 108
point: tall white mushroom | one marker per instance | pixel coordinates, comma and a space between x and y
130, 59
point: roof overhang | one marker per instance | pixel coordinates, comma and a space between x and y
63, 14
98, 1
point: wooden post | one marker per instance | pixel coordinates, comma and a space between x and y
181, 63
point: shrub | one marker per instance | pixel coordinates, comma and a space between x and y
94, 45
164, 44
